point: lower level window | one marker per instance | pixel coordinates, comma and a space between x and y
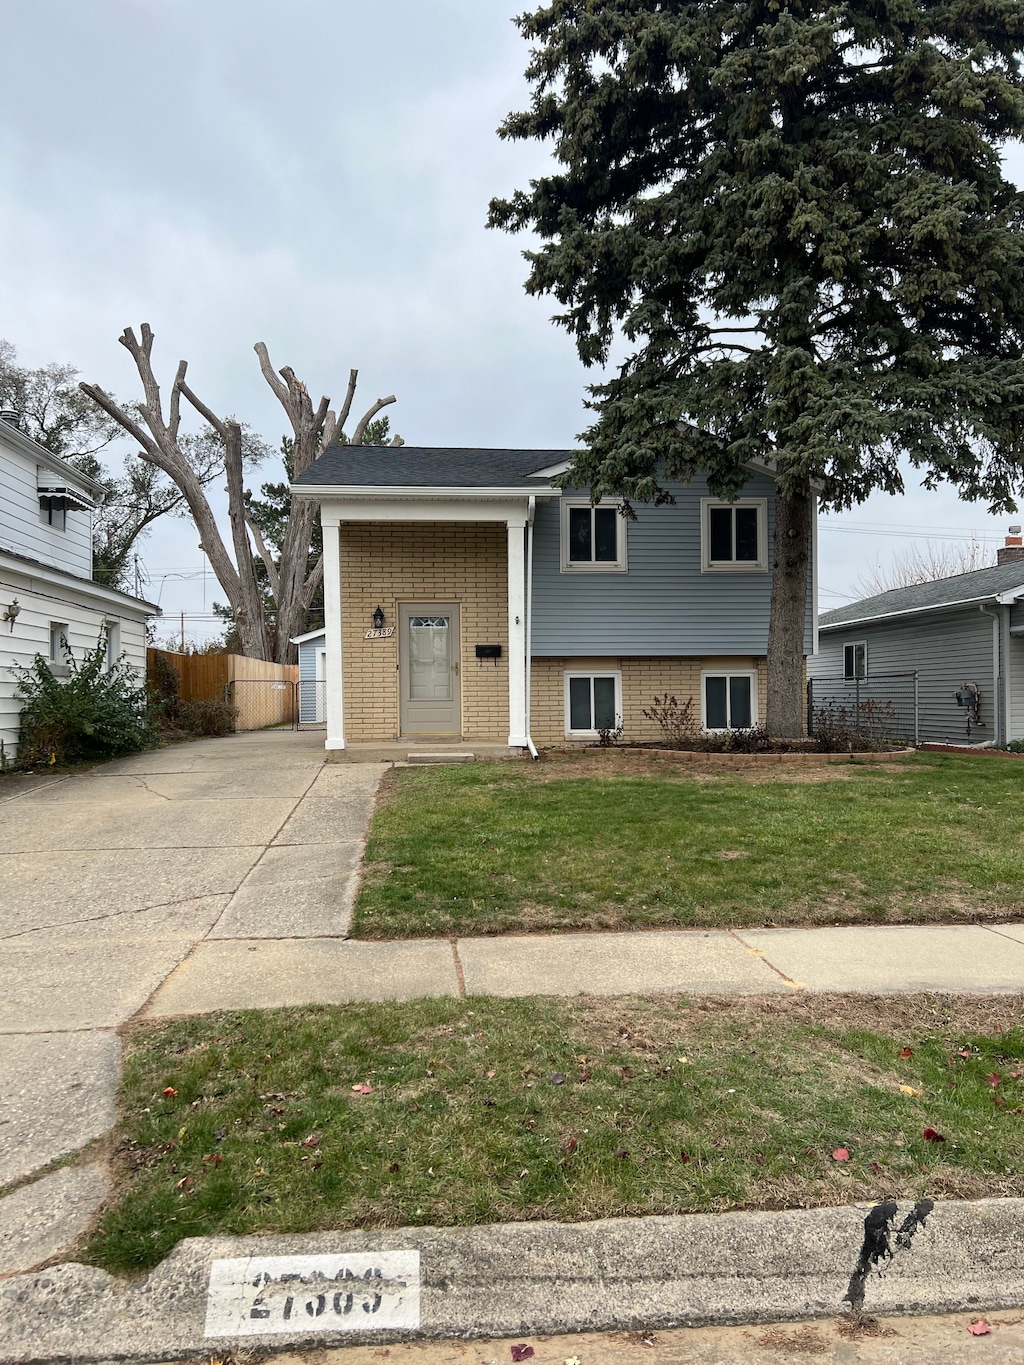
730, 701
593, 702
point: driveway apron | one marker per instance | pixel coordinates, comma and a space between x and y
110, 879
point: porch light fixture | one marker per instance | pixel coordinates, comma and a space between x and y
378, 619
12, 612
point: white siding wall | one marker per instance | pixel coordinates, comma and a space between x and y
42, 603
20, 527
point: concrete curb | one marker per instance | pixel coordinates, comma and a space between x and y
544, 1278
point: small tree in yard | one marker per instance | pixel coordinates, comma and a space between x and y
794, 217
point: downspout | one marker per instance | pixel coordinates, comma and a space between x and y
529, 619
997, 709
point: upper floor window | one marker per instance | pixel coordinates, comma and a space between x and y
593, 537
734, 535
53, 512
855, 660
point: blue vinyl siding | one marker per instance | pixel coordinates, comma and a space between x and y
307, 657
663, 604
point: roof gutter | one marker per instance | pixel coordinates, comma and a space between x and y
407, 492
910, 611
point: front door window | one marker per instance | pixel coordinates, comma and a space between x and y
430, 658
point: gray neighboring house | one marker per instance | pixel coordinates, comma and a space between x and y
968, 629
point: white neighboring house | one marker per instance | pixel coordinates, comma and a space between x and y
46, 587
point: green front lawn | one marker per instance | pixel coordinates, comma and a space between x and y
561, 844
479, 1111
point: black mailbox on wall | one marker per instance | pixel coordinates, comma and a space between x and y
488, 652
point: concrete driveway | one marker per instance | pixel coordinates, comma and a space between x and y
110, 879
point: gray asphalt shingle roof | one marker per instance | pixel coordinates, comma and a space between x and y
430, 467
943, 592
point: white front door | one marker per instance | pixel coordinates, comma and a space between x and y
430, 700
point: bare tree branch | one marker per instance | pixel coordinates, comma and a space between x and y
368, 417
264, 554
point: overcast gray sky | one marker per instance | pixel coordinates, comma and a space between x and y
314, 175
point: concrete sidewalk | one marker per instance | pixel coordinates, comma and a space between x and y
265, 972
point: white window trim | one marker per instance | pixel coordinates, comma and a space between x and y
760, 565
750, 673
593, 565
614, 673
854, 645
57, 661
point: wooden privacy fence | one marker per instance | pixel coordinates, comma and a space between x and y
263, 694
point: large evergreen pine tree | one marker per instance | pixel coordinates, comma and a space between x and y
795, 216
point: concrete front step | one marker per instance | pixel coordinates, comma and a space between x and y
409, 751
441, 758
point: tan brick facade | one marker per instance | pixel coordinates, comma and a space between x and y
642, 680
394, 562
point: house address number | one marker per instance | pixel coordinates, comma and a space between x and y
385, 633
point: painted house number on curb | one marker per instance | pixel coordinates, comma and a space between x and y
354, 1292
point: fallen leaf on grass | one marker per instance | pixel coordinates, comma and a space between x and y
930, 1135
621, 1153
906, 1052
364, 1089
979, 1328
994, 1078
170, 1092
312, 1141
521, 1352
185, 1184
684, 1157
491, 1075
874, 1166
214, 1158
909, 1090
840, 1154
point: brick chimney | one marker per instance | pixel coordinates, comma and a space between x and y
1013, 550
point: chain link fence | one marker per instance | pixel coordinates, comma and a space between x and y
883, 706
311, 713
261, 703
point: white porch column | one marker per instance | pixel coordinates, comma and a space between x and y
517, 632
334, 702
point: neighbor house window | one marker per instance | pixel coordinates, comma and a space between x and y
58, 641
593, 538
729, 701
734, 534
855, 660
52, 512
593, 702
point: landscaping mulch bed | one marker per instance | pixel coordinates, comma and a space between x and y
618, 839
446, 1112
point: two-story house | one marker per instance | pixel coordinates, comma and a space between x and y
47, 594
467, 598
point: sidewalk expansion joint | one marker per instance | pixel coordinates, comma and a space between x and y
460, 975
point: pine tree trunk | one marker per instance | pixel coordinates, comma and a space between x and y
787, 705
